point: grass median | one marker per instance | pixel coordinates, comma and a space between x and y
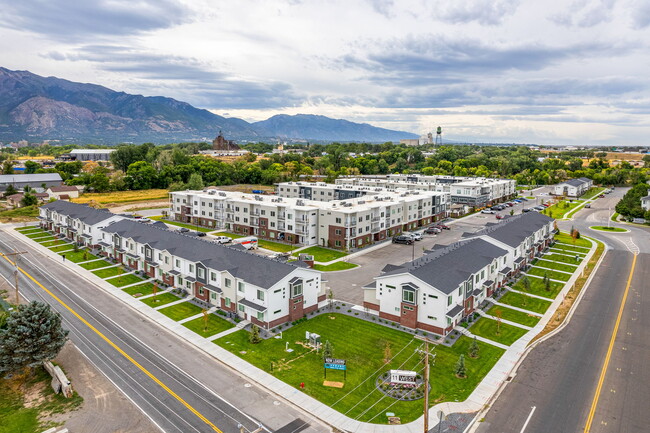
322, 254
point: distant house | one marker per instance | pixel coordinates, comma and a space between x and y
573, 187
15, 199
63, 192
90, 154
35, 180
645, 202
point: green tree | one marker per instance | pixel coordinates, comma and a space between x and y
141, 175
29, 200
546, 281
459, 369
195, 182
254, 336
473, 349
31, 167
328, 350
33, 334
11, 190
525, 283
8, 167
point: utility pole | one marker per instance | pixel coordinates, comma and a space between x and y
17, 257
426, 379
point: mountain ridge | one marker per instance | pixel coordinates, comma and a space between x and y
37, 108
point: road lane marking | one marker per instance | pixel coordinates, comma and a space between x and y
603, 372
118, 349
530, 415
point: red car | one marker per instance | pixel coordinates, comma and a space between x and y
499, 216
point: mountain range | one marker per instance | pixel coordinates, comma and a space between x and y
36, 108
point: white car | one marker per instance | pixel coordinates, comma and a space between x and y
222, 239
143, 220
415, 236
488, 211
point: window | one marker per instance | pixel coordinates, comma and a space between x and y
213, 295
241, 307
213, 276
166, 260
449, 300
337, 232
240, 286
260, 295
433, 296
277, 312
260, 316
408, 295
178, 263
226, 302
228, 282
432, 318
296, 289
201, 291
338, 221
191, 268
201, 272
460, 290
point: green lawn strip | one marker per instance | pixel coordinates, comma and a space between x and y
526, 302
275, 246
593, 192
562, 207
28, 230
501, 333
51, 242
60, 248
110, 272
181, 311
160, 299
537, 288
79, 256
513, 315
230, 235
608, 229
125, 280
551, 274
614, 217
362, 344
37, 234
557, 266
176, 223
570, 249
322, 254
564, 259
336, 266
96, 265
140, 290
215, 325
566, 239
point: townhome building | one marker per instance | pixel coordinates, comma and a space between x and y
645, 202
435, 292
573, 187
78, 222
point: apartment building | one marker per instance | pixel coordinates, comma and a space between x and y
573, 187
351, 223
434, 292
264, 291
77, 222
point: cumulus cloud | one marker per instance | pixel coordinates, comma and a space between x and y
485, 12
585, 13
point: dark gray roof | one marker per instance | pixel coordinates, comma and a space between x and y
477, 292
213, 288
505, 270
36, 177
488, 283
252, 305
445, 269
519, 259
573, 182
257, 270
370, 285
454, 311
85, 213
514, 229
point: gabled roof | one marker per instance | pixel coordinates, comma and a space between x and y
85, 213
446, 268
512, 230
255, 269
63, 188
573, 182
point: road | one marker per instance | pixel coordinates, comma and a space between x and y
561, 376
180, 388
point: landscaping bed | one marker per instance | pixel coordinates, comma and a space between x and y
181, 311
501, 333
215, 326
140, 290
96, 265
513, 315
124, 280
322, 254
363, 345
526, 302
160, 299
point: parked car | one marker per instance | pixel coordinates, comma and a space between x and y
413, 235
601, 196
509, 204
546, 204
588, 206
499, 216
432, 230
525, 209
222, 239
517, 201
144, 220
402, 239
488, 211
200, 234
523, 199
183, 230
444, 227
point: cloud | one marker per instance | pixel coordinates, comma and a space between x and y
485, 12
383, 7
585, 13
70, 20
641, 14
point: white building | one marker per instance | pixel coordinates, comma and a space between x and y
573, 187
91, 154
645, 202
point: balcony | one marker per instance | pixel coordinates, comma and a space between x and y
375, 219
282, 216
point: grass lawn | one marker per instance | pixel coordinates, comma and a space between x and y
526, 302
323, 254
560, 208
569, 249
593, 192
187, 226
557, 266
566, 239
563, 259
537, 288
614, 217
58, 249
215, 325
125, 280
27, 213
50, 242
608, 229
38, 234
160, 299
230, 235
110, 272
140, 290
96, 265
551, 274
79, 256
513, 315
181, 311
362, 344
275, 246
337, 266
503, 333
29, 230
123, 196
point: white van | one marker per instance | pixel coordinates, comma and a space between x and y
249, 242
222, 239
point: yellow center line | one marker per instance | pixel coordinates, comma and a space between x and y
119, 350
603, 372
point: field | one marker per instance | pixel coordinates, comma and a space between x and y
215, 325
501, 333
28, 213
529, 303
181, 311
322, 254
513, 315
363, 345
123, 196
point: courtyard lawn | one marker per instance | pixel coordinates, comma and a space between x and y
60, 248
37, 234
125, 280
363, 345
513, 315
96, 265
215, 325
551, 274
593, 192
501, 333
79, 256
47, 243
564, 259
556, 266
275, 246
160, 299
187, 226
336, 266
562, 207
110, 272
537, 288
565, 238
322, 254
140, 290
568, 249
526, 302
181, 311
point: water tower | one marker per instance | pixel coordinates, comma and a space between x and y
439, 136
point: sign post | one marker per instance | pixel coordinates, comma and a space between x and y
335, 364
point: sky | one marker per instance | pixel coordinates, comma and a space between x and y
513, 71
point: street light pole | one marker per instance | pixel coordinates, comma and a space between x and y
15, 263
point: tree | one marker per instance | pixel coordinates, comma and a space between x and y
11, 190
31, 167
525, 283
328, 350
459, 369
546, 281
8, 167
254, 336
388, 355
330, 299
473, 349
33, 334
141, 175
195, 182
29, 200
